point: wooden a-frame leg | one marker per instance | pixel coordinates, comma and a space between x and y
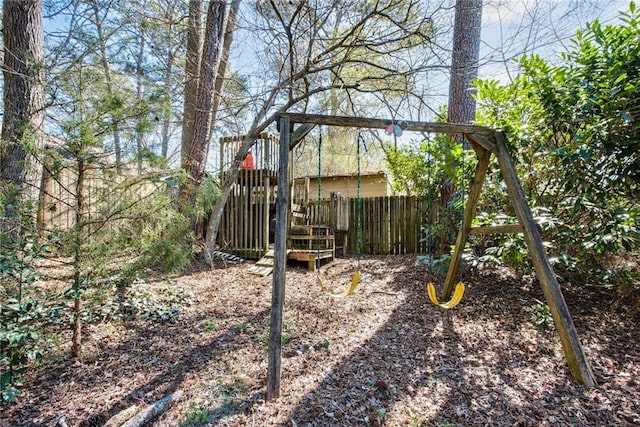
469, 213
573, 351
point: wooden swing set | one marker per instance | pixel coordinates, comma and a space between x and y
486, 142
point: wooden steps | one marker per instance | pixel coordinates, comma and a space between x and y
264, 266
310, 243
306, 243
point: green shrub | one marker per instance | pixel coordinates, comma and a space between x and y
197, 415
575, 142
542, 315
20, 312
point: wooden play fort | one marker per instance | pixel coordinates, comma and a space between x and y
248, 222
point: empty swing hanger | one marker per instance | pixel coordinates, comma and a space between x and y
455, 299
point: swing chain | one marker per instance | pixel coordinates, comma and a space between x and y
318, 200
360, 140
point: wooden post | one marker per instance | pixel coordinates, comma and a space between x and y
576, 359
265, 208
469, 213
279, 264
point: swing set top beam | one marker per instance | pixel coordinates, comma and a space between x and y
374, 123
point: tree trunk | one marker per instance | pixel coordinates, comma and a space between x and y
76, 339
219, 86
464, 60
104, 62
139, 91
211, 72
192, 70
168, 76
23, 122
211, 55
224, 59
153, 410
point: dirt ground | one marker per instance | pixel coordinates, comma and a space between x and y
383, 356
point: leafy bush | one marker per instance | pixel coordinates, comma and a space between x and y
19, 343
421, 170
542, 315
112, 302
197, 415
439, 265
166, 307
575, 138
170, 250
161, 235
20, 312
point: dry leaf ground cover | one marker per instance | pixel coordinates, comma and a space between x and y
383, 356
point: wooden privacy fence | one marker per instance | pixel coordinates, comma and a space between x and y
390, 225
106, 197
334, 212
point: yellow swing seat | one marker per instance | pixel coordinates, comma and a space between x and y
455, 299
352, 287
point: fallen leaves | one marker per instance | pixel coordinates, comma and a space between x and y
382, 356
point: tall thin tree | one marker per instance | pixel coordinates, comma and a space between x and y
108, 78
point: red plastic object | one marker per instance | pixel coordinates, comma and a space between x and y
248, 162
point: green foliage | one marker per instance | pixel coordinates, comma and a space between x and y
418, 421
205, 195
163, 239
439, 265
240, 327
152, 159
439, 170
197, 415
208, 194
20, 311
210, 325
380, 415
285, 339
289, 330
419, 170
505, 249
137, 303
109, 301
122, 224
135, 219
19, 342
622, 275
575, 138
84, 93
542, 315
